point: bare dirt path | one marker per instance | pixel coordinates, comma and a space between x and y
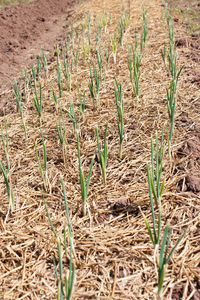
27, 28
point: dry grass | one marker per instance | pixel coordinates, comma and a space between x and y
114, 253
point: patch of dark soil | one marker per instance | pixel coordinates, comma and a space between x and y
124, 207
191, 165
25, 30
192, 183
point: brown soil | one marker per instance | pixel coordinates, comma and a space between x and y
27, 28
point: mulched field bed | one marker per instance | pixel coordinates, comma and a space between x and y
114, 255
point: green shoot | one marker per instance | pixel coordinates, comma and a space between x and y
103, 154
55, 99
155, 191
61, 129
107, 52
114, 47
82, 101
72, 36
163, 53
94, 83
6, 169
18, 96
145, 30
124, 22
86, 50
100, 62
72, 115
120, 114
59, 82
43, 166
65, 283
37, 98
83, 183
98, 33
45, 63
68, 70
134, 65
104, 20
165, 257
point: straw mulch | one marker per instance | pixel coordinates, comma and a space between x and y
114, 252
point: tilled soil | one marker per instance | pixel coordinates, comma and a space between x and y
27, 28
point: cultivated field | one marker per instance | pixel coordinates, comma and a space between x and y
99, 167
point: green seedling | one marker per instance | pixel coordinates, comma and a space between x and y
37, 98
171, 98
145, 29
114, 47
84, 185
107, 52
120, 114
68, 70
121, 32
104, 20
59, 82
89, 22
72, 115
134, 70
99, 61
39, 67
76, 58
155, 191
57, 52
82, 101
72, 36
65, 282
86, 50
45, 62
61, 129
89, 39
98, 33
165, 257
43, 166
18, 96
124, 22
26, 83
103, 155
55, 99
6, 168
163, 53
94, 83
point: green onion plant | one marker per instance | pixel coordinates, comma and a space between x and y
86, 50
145, 28
94, 83
103, 155
65, 282
164, 257
6, 168
134, 61
114, 47
84, 185
72, 115
82, 101
156, 189
120, 114
98, 33
104, 20
18, 96
37, 99
61, 129
43, 166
